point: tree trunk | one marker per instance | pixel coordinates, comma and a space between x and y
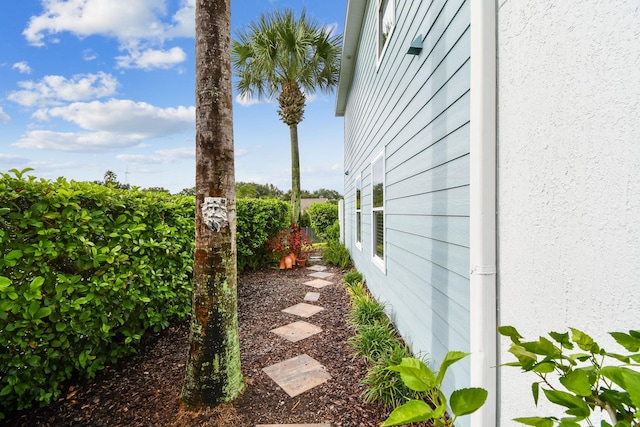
295, 175
213, 374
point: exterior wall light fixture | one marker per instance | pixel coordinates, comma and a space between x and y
416, 46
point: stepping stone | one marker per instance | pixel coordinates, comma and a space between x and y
321, 275
318, 283
317, 268
294, 425
303, 310
297, 331
298, 374
312, 296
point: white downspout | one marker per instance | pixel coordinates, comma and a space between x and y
483, 295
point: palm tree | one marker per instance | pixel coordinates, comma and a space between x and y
286, 57
213, 374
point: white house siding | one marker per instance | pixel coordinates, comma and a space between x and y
416, 109
568, 174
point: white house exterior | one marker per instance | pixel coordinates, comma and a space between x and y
494, 175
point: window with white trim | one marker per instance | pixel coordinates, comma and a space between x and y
386, 23
359, 212
377, 209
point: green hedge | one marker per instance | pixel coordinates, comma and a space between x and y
257, 221
322, 216
85, 270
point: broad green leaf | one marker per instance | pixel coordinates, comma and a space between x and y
36, 283
584, 341
562, 339
511, 332
451, 358
627, 341
415, 374
575, 405
467, 400
4, 283
43, 312
577, 382
544, 367
6, 390
568, 423
543, 347
33, 308
14, 254
632, 385
526, 358
411, 412
535, 421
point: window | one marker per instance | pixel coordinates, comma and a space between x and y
386, 22
359, 212
377, 209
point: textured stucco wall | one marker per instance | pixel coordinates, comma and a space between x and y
568, 174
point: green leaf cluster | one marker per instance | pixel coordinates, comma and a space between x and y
322, 216
573, 373
85, 270
258, 220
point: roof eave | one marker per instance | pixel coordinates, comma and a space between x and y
350, 42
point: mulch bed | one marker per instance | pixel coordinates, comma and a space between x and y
144, 389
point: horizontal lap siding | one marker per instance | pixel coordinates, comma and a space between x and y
416, 109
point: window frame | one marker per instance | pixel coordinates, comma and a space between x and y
378, 261
358, 212
380, 50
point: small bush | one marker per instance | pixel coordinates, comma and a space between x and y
322, 216
335, 252
352, 277
373, 340
386, 386
366, 311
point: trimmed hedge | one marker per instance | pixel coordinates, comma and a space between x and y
257, 221
322, 216
85, 271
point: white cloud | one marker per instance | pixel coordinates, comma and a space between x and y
247, 100
75, 141
4, 117
89, 55
131, 22
51, 90
166, 156
10, 161
126, 117
152, 58
22, 67
240, 153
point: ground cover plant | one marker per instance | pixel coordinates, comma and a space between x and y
579, 375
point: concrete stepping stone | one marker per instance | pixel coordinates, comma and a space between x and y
318, 283
317, 268
312, 296
297, 331
298, 374
303, 309
321, 275
294, 425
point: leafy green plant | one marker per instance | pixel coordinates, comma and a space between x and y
373, 341
335, 252
358, 289
384, 385
322, 216
352, 277
416, 375
258, 220
366, 311
579, 379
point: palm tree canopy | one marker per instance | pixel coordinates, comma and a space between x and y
280, 50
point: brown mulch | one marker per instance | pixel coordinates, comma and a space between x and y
144, 389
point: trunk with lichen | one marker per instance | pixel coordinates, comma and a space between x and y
213, 374
292, 103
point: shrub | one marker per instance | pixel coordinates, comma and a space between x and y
322, 216
258, 220
352, 277
85, 271
373, 340
366, 311
335, 252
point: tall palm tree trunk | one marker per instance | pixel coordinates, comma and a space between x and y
295, 175
213, 374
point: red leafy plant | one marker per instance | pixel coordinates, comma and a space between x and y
293, 240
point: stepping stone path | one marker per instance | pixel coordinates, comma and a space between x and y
301, 373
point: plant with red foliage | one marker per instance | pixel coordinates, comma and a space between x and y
292, 240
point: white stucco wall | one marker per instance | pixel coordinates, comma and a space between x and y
568, 174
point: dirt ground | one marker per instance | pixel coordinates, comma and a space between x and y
144, 389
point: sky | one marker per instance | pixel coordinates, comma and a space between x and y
88, 86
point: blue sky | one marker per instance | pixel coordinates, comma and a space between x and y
88, 86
